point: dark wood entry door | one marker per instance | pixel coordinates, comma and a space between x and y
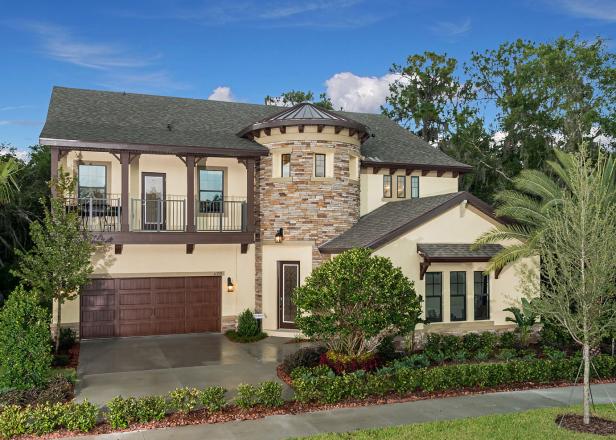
153, 209
288, 280
150, 306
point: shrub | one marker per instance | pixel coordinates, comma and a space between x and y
25, 353
386, 351
13, 421
555, 337
80, 416
68, 337
213, 398
553, 354
313, 386
122, 412
460, 356
185, 399
247, 325
304, 357
57, 389
150, 408
355, 300
60, 360
46, 418
482, 355
508, 340
233, 336
489, 340
269, 394
507, 354
246, 396
341, 363
471, 342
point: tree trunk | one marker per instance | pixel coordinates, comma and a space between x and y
586, 383
58, 322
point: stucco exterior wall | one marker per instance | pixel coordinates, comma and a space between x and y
429, 185
172, 260
458, 225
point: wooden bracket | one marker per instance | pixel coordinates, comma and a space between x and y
62, 153
256, 133
392, 171
118, 249
244, 247
409, 171
424, 172
337, 129
497, 272
352, 132
375, 170
182, 158
423, 267
283, 129
439, 173
320, 128
190, 248
300, 128
116, 156
267, 131
455, 174
132, 157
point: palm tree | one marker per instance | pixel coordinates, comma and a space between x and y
534, 194
8, 184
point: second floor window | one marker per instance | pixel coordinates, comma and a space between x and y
285, 165
319, 165
211, 190
92, 181
387, 186
401, 186
414, 187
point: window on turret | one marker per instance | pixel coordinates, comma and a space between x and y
319, 165
387, 186
401, 187
414, 187
285, 165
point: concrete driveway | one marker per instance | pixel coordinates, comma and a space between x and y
158, 364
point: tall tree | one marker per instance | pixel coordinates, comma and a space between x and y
293, 97
576, 249
59, 262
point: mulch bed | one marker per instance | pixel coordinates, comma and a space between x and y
73, 355
598, 425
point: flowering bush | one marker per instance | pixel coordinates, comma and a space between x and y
342, 363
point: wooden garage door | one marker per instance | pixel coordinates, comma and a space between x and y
150, 306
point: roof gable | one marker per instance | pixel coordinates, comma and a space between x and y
395, 219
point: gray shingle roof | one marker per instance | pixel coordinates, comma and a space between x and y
458, 250
111, 117
393, 219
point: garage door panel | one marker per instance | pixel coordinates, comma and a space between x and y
135, 283
169, 297
135, 298
136, 314
150, 306
168, 283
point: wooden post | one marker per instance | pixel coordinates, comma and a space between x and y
55, 159
124, 203
190, 194
250, 193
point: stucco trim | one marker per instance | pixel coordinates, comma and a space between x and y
96, 276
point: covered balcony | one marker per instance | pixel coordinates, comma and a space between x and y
139, 198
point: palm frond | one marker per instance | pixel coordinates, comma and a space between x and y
504, 233
509, 255
8, 184
536, 183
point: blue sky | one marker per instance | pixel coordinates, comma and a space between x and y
243, 50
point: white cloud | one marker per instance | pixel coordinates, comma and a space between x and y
359, 93
22, 122
58, 43
10, 108
450, 29
222, 93
604, 10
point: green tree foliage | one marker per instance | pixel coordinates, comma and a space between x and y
576, 248
8, 169
23, 207
355, 300
524, 318
25, 353
247, 325
59, 262
548, 95
293, 97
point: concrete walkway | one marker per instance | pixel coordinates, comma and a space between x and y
158, 364
377, 416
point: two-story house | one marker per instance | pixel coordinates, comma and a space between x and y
212, 207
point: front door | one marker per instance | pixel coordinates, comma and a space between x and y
288, 280
153, 201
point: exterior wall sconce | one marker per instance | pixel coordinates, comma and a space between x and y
230, 285
279, 236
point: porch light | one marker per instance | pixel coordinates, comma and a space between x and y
279, 236
230, 285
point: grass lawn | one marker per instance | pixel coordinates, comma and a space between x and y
529, 425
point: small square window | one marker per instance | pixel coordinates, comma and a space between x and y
387, 186
285, 165
319, 165
401, 187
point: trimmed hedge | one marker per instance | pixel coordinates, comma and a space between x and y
323, 386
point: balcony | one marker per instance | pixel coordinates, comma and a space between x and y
158, 215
